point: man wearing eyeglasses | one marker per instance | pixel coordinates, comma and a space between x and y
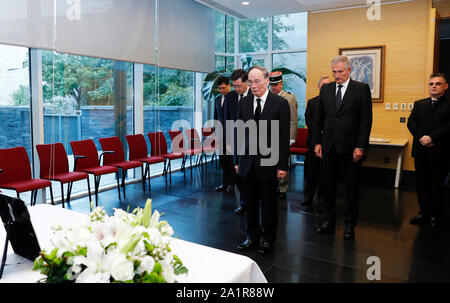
241, 90
429, 123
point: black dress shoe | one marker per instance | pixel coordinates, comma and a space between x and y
327, 227
247, 244
239, 211
230, 189
433, 223
349, 232
418, 220
221, 188
265, 248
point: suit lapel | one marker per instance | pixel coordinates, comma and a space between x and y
348, 95
267, 105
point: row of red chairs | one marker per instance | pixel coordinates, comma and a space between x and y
15, 171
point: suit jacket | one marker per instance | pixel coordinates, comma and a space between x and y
276, 108
231, 111
219, 113
311, 108
349, 127
434, 122
293, 113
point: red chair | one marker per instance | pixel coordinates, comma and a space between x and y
16, 173
139, 152
88, 161
195, 146
178, 145
209, 143
300, 147
159, 149
115, 156
55, 167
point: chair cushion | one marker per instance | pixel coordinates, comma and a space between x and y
100, 170
26, 185
299, 150
193, 151
126, 164
173, 156
68, 177
151, 160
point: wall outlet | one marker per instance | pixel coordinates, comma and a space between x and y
402, 119
395, 106
388, 106
403, 106
410, 106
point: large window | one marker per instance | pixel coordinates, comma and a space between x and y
86, 98
285, 49
168, 97
253, 35
293, 83
15, 122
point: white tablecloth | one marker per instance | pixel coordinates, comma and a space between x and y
205, 264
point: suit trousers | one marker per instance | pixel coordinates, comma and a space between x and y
312, 172
334, 165
431, 173
225, 164
262, 198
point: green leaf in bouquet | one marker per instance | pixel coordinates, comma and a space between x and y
157, 268
147, 213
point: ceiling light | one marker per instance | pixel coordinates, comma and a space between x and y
245, 3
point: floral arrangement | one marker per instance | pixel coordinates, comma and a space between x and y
127, 247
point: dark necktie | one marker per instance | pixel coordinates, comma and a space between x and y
339, 98
433, 103
241, 96
258, 111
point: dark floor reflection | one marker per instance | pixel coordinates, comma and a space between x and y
198, 214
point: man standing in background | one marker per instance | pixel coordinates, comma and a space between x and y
429, 123
313, 164
223, 84
276, 87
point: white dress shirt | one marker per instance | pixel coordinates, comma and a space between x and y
343, 88
263, 101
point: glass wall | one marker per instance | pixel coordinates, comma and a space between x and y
168, 97
15, 118
86, 98
293, 83
285, 49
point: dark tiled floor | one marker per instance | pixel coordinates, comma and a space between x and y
198, 214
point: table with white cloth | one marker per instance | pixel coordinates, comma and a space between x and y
205, 264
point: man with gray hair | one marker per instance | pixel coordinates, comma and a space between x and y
342, 125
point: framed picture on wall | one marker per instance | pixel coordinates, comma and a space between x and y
368, 67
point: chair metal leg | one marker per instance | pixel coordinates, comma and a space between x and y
69, 191
89, 190
5, 250
62, 194
143, 176
97, 184
51, 195
149, 183
118, 185
170, 171
124, 173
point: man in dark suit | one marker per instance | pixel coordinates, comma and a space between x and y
429, 123
223, 84
268, 117
342, 125
312, 167
239, 79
